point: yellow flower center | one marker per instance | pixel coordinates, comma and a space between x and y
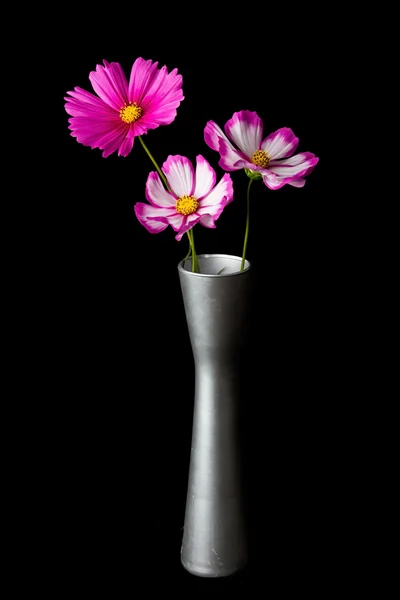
130, 112
186, 205
260, 158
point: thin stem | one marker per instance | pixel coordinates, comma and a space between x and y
246, 235
195, 261
155, 164
190, 250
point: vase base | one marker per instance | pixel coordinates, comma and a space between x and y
213, 572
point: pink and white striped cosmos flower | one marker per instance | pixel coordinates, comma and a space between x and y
193, 196
270, 157
123, 110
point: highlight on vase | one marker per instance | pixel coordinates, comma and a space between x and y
192, 196
242, 147
121, 110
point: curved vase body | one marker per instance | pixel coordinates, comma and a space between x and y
214, 539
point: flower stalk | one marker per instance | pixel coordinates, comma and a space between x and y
252, 177
195, 260
246, 233
164, 179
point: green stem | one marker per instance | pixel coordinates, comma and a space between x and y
195, 261
189, 253
246, 235
154, 163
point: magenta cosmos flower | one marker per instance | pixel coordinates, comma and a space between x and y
270, 157
193, 196
123, 110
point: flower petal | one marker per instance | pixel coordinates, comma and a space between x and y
273, 182
295, 166
209, 220
99, 133
213, 134
221, 194
110, 84
142, 75
231, 158
127, 145
81, 103
176, 221
205, 177
212, 205
280, 144
209, 214
157, 92
188, 223
298, 183
245, 128
156, 193
155, 219
139, 128
279, 182
180, 175
97, 125
162, 98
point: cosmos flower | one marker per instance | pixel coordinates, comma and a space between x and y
270, 157
122, 110
192, 197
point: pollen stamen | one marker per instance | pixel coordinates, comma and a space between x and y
260, 158
130, 113
186, 205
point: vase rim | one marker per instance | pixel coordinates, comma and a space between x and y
216, 255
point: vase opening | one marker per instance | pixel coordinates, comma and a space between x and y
217, 265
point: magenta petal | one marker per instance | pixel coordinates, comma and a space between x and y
142, 213
245, 128
127, 145
115, 140
208, 221
212, 135
141, 77
209, 214
164, 94
157, 92
81, 103
96, 124
176, 221
298, 183
280, 144
295, 166
294, 161
188, 224
110, 84
205, 177
156, 193
221, 194
98, 133
273, 183
231, 159
180, 175
155, 219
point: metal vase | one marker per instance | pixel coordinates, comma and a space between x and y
216, 302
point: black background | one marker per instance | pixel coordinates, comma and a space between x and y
118, 359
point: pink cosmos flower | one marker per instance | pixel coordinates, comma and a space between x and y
123, 110
270, 157
193, 196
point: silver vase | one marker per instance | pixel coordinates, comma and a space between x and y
216, 308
